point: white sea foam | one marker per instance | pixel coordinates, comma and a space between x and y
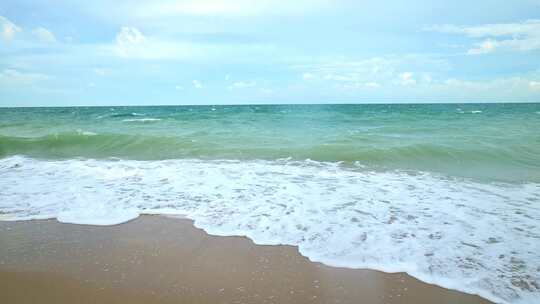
86, 133
141, 120
480, 238
460, 111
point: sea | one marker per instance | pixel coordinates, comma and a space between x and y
448, 193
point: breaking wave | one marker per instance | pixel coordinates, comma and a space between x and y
477, 237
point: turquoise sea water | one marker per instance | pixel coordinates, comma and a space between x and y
447, 193
491, 141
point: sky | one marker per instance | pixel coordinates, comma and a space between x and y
62, 53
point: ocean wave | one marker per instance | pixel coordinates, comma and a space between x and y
86, 133
480, 238
131, 114
461, 111
142, 120
516, 162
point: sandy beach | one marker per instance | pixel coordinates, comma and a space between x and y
162, 260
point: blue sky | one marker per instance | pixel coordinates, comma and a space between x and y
268, 51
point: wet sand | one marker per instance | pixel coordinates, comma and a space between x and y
162, 260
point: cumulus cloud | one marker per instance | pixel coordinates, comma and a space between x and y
129, 36
8, 29
44, 35
131, 43
372, 73
521, 36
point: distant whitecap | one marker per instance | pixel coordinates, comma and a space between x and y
142, 120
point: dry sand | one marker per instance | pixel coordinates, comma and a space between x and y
163, 260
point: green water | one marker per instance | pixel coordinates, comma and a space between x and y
483, 141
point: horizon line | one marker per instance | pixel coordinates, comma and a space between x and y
271, 104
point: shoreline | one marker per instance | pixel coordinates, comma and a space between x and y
169, 260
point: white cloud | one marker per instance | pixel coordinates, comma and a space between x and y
507, 88
178, 87
129, 36
490, 45
11, 77
8, 29
526, 28
372, 85
308, 76
372, 73
371, 65
44, 35
358, 85
132, 44
534, 85
129, 41
102, 71
521, 36
406, 79
197, 84
350, 73
484, 47
242, 85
